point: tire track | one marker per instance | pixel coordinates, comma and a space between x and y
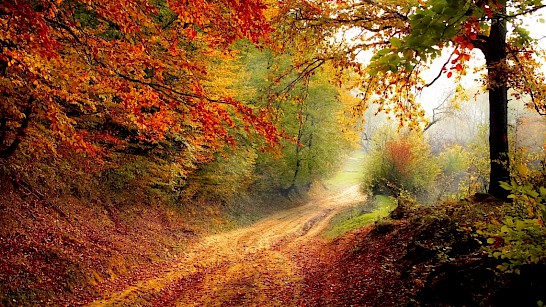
248, 266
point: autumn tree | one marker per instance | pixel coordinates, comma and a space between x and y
309, 114
320, 141
91, 76
406, 36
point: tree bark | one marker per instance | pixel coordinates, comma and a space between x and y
495, 55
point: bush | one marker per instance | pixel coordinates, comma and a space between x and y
520, 239
400, 163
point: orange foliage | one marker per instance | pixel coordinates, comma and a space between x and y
76, 73
401, 155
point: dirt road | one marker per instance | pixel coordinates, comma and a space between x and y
252, 266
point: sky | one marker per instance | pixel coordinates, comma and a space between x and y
430, 96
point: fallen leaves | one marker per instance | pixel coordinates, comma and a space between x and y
276, 262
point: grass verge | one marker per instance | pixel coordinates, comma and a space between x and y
351, 171
361, 215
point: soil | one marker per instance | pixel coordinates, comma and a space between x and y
420, 256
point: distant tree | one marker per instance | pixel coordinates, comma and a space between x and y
309, 112
406, 35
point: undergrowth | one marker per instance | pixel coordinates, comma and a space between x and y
70, 244
421, 256
361, 215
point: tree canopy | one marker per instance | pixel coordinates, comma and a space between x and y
405, 37
90, 76
156, 75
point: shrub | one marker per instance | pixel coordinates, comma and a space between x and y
520, 239
400, 162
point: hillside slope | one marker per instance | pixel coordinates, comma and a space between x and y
57, 250
423, 256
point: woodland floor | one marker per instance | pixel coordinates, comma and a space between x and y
260, 265
420, 256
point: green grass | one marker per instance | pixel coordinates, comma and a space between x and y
351, 172
360, 215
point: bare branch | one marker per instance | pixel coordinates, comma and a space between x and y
440, 109
534, 9
441, 70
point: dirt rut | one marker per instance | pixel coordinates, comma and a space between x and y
251, 266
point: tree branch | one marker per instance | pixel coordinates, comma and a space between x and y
306, 72
531, 92
441, 71
438, 110
536, 8
10, 150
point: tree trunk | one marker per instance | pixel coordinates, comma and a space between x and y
301, 127
495, 55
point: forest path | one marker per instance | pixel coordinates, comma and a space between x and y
251, 266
